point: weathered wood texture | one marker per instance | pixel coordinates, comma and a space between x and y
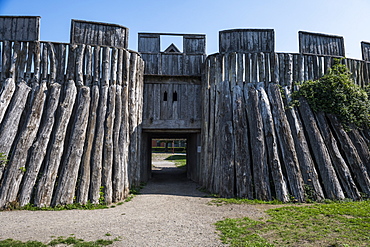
96, 33
365, 49
58, 103
188, 62
247, 40
172, 104
20, 28
291, 152
321, 44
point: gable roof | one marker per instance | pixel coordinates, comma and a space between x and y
172, 48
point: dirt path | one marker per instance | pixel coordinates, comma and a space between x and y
170, 211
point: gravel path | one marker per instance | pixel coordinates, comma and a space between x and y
170, 211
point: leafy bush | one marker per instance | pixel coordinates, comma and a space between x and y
337, 94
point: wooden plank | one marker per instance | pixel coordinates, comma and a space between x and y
39, 147
67, 179
45, 186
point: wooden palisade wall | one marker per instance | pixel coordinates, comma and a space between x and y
69, 116
256, 148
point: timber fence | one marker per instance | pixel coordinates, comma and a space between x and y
70, 123
256, 148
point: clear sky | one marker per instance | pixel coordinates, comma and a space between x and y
347, 18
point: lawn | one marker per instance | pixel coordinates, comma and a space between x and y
332, 224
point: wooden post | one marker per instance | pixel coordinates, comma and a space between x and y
11, 121
286, 143
67, 179
353, 159
281, 189
340, 165
329, 179
97, 155
18, 161
306, 164
258, 149
45, 186
40, 145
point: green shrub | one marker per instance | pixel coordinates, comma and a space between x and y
337, 94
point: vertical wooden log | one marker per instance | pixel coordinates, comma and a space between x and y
17, 164
67, 179
358, 169
243, 173
340, 165
88, 64
124, 140
85, 169
306, 164
247, 76
139, 100
281, 189
13, 61
61, 58
44, 62
262, 67
215, 183
133, 163
97, 156
205, 122
53, 63
40, 145
11, 121
361, 146
45, 186
32, 46
108, 146
6, 58
329, 178
7, 91
227, 170
286, 143
21, 62
258, 149
79, 65
117, 176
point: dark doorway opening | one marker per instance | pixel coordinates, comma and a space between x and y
168, 152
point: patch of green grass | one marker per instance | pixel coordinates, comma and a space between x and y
87, 206
69, 241
15, 243
180, 160
221, 201
334, 224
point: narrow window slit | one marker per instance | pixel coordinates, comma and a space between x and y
174, 96
165, 96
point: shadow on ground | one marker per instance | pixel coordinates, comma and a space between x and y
171, 181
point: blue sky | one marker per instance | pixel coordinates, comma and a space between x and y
347, 18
